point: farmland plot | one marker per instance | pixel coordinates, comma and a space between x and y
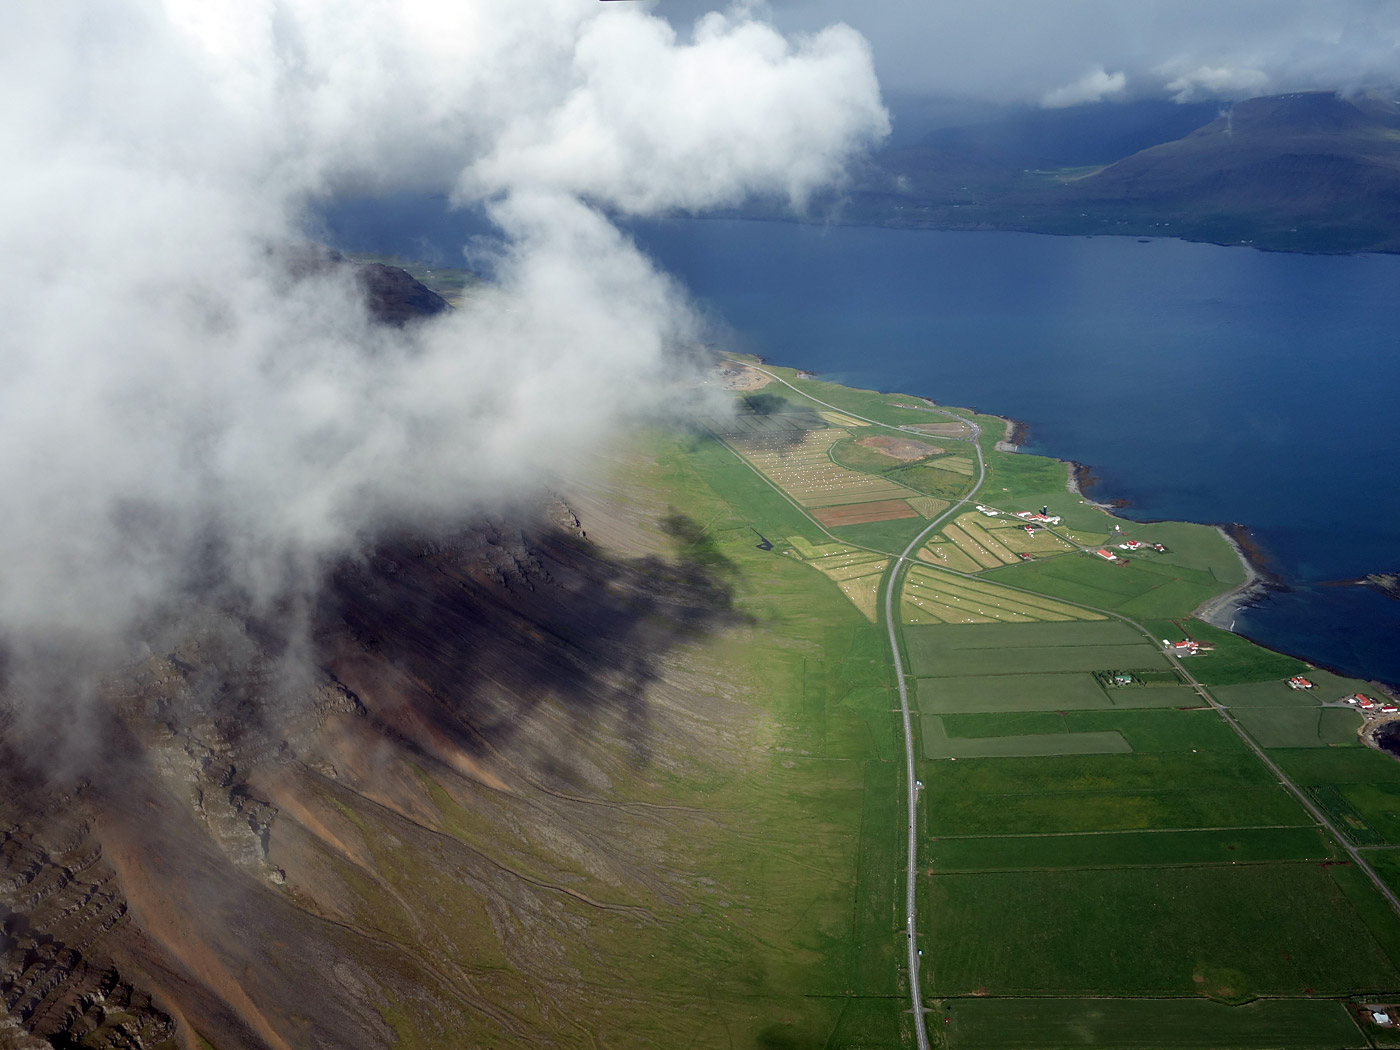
800, 465
934, 597
855, 571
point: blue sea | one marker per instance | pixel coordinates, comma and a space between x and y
1197, 382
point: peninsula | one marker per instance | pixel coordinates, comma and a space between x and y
1197, 837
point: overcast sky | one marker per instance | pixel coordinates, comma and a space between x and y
1067, 51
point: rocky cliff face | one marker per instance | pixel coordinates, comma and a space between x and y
405, 814
455, 722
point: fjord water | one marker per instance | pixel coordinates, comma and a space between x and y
1198, 382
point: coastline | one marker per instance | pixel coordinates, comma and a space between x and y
1014, 435
1221, 610
984, 226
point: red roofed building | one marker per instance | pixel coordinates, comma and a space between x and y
1107, 555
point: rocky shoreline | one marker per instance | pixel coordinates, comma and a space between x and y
1014, 436
1221, 610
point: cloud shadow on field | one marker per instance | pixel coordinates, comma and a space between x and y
493, 643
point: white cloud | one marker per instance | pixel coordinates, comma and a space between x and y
1206, 82
1094, 86
1015, 51
177, 408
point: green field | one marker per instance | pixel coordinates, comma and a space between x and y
1009, 693
1228, 931
888, 536
1358, 787
1019, 482
956, 636
1030, 814
871, 404
1142, 589
1145, 730
1130, 848
874, 966
1379, 807
1149, 1024
848, 452
938, 744
1190, 546
964, 650
1273, 693
1026, 692
1236, 660
1040, 659
1386, 863
1350, 766
1166, 771
1081, 839
929, 478
1301, 726
1084, 793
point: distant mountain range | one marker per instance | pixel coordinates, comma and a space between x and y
1300, 172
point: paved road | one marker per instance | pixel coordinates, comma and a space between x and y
1354, 852
1297, 792
911, 883
911, 933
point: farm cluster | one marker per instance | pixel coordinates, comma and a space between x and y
1368, 706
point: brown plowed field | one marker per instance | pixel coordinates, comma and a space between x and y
902, 449
859, 513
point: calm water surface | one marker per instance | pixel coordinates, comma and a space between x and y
1203, 383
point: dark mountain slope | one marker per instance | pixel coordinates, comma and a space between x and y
1324, 166
394, 296
537, 782
1301, 172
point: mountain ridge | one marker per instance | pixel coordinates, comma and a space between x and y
1308, 171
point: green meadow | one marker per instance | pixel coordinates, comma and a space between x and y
1100, 864
1129, 849
1232, 932
1149, 1024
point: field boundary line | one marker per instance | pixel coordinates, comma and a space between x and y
900, 562
797, 506
1128, 831
1284, 781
